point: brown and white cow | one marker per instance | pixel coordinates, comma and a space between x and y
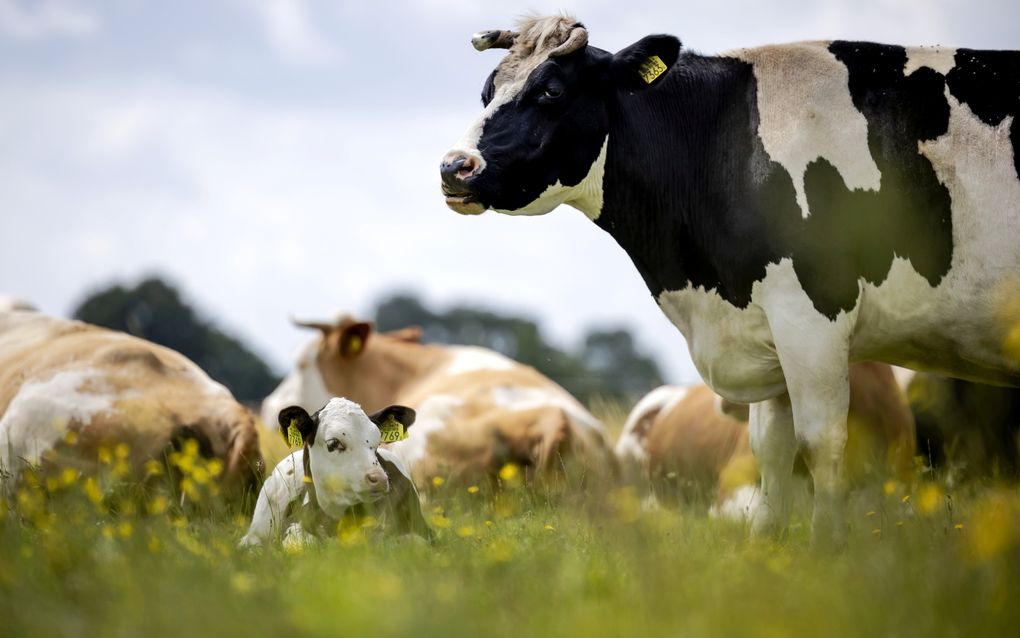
477, 409
690, 440
68, 389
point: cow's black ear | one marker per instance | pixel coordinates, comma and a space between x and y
393, 422
401, 414
645, 62
352, 339
297, 426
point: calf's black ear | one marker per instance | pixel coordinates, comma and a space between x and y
297, 426
645, 62
393, 422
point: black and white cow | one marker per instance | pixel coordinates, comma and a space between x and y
792, 208
340, 472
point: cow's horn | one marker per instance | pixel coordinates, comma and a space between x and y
495, 39
578, 38
321, 326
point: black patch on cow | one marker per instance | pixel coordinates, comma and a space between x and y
989, 83
692, 196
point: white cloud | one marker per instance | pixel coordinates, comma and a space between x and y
290, 30
45, 19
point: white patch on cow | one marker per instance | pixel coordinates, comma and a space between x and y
806, 112
903, 376
472, 359
520, 398
586, 196
740, 506
939, 59
38, 416
303, 387
630, 450
432, 415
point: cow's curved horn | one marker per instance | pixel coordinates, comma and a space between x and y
577, 39
322, 326
495, 39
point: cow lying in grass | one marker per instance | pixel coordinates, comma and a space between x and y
340, 472
78, 396
688, 442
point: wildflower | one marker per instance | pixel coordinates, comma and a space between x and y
549, 527
107, 531
121, 451
92, 491
488, 523
500, 550
958, 526
871, 514
437, 481
906, 498
440, 521
928, 498
121, 469
153, 468
473, 489
465, 531
992, 528
104, 455
890, 487
509, 472
125, 529
214, 467
70, 437
877, 532
52, 484
157, 505
200, 475
68, 476
153, 544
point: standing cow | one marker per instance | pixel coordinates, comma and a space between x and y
791, 208
476, 409
69, 389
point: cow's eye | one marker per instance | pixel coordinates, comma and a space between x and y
335, 445
553, 92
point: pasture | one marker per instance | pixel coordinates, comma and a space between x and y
79, 557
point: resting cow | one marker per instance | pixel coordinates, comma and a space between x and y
691, 442
69, 389
792, 208
477, 410
340, 471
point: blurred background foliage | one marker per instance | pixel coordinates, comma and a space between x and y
606, 363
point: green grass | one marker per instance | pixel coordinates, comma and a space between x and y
80, 558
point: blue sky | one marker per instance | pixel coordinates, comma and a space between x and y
279, 158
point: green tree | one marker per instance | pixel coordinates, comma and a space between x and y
154, 310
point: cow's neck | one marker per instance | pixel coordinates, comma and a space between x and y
680, 191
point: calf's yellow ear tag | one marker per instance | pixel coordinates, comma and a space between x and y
392, 430
294, 438
651, 69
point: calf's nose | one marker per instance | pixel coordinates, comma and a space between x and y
377, 479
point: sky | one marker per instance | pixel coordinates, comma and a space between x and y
279, 158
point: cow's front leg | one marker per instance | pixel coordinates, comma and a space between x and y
817, 380
774, 445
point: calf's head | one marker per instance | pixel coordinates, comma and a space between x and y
341, 443
541, 138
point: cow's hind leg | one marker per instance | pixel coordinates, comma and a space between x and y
775, 446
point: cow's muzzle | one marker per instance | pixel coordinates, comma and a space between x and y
456, 169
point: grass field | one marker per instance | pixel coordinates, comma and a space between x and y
80, 559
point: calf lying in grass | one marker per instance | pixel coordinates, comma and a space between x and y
340, 472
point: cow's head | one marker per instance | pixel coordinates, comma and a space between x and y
341, 442
541, 139
346, 358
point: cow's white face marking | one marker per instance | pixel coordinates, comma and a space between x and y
303, 386
586, 196
38, 416
809, 113
343, 458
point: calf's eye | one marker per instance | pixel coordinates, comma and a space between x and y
334, 445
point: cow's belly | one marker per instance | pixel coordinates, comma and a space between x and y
968, 325
732, 348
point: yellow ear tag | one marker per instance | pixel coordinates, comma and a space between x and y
354, 345
651, 69
392, 430
294, 438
